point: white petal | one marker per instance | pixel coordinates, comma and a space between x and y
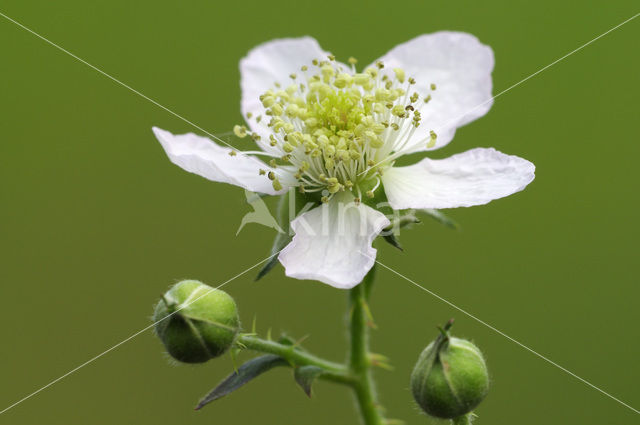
470, 178
460, 67
199, 155
332, 243
267, 64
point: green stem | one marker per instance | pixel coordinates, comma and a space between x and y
463, 420
357, 374
334, 371
359, 363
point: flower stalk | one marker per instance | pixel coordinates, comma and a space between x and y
359, 363
356, 373
463, 420
334, 372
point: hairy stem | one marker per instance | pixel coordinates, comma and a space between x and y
359, 363
357, 373
333, 371
463, 420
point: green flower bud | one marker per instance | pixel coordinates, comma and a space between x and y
196, 322
450, 378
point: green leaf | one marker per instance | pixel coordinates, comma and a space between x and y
441, 218
305, 375
245, 373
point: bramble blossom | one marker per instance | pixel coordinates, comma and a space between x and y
334, 134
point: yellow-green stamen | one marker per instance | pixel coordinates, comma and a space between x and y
339, 130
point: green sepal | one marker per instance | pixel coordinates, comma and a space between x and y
305, 375
441, 218
392, 231
393, 240
407, 220
272, 261
245, 373
282, 239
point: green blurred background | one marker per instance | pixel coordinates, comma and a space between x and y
95, 222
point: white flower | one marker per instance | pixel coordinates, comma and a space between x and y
334, 134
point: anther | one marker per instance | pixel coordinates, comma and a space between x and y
432, 139
240, 131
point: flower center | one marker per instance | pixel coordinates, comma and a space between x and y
339, 130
